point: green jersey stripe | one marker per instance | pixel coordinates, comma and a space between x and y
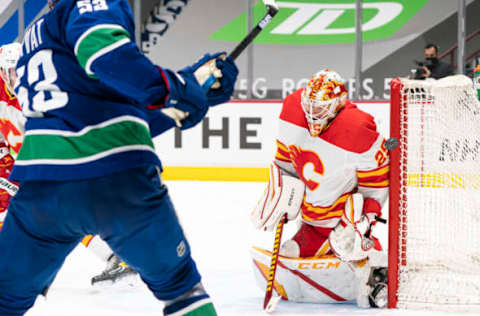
102, 52
83, 160
93, 29
86, 145
86, 129
98, 41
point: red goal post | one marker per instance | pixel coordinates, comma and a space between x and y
434, 201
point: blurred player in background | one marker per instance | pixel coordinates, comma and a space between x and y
12, 126
87, 164
331, 166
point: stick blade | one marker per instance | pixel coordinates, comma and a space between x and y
272, 304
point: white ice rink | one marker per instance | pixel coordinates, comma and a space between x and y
215, 217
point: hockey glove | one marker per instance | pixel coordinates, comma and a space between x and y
207, 69
186, 95
351, 239
223, 69
223, 94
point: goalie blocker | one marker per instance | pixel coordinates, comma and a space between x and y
283, 195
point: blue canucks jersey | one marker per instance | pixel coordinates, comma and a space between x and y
87, 93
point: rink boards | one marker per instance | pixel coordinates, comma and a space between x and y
235, 142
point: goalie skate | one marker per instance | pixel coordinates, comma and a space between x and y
378, 282
116, 272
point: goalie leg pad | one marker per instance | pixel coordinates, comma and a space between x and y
314, 280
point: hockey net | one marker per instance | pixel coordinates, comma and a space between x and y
434, 221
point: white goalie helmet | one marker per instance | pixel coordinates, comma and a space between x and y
324, 96
9, 56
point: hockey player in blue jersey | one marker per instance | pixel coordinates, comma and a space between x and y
88, 166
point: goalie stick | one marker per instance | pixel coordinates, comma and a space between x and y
270, 301
272, 10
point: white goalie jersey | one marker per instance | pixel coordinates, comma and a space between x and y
350, 156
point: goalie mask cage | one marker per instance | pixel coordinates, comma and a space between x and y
434, 221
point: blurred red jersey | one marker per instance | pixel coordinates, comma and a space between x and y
12, 120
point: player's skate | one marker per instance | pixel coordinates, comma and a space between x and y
116, 272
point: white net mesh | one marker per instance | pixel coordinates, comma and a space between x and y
440, 197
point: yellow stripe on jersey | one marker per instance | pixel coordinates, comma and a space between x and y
373, 173
281, 157
327, 216
282, 153
322, 210
382, 184
282, 146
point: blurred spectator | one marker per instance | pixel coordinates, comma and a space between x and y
432, 67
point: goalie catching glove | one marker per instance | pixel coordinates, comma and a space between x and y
283, 195
351, 240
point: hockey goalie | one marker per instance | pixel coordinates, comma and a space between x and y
330, 174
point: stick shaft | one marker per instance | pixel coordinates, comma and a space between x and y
273, 262
271, 11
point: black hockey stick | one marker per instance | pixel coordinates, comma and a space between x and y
272, 10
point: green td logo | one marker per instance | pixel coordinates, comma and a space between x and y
324, 21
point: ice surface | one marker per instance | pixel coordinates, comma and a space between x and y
215, 217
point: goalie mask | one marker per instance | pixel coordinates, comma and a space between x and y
324, 96
9, 55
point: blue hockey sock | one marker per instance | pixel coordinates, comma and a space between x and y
195, 302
